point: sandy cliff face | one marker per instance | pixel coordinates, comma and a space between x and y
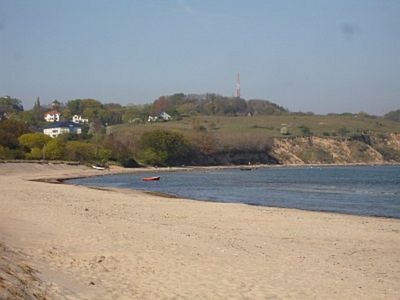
318, 150
393, 140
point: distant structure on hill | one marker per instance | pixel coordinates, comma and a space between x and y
238, 86
163, 116
78, 119
52, 116
56, 128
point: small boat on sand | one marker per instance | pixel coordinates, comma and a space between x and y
97, 167
155, 178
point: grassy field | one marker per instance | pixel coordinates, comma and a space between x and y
271, 126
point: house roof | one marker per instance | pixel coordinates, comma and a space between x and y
62, 124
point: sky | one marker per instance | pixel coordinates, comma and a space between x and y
321, 56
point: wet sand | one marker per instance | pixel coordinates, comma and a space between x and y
80, 243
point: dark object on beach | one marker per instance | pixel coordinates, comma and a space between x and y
151, 178
247, 169
129, 163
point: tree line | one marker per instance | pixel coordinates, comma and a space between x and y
21, 136
177, 105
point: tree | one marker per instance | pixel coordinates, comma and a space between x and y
160, 105
10, 105
75, 106
112, 114
10, 130
393, 115
122, 145
103, 155
56, 105
131, 114
66, 114
89, 108
37, 111
34, 140
265, 107
5, 153
163, 148
55, 149
205, 142
80, 151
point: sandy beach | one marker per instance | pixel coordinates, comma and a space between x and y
59, 241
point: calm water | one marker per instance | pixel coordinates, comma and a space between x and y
372, 191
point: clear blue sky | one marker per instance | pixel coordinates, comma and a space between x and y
321, 56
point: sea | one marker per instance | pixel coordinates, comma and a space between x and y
357, 190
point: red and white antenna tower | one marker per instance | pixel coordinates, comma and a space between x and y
238, 85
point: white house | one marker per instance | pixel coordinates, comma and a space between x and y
78, 119
52, 116
163, 116
152, 119
57, 128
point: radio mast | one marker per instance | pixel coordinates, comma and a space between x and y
238, 86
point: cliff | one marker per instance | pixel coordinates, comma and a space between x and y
321, 150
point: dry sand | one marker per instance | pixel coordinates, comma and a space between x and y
80, 243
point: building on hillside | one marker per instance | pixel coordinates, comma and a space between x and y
52, 116
78, 119
55, 129
163, 116
152, 119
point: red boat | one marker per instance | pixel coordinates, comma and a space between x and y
155, 178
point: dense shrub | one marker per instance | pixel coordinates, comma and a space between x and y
163, 148
35, 153
306, 131
34, 143
34, 140
364, 138
5, 153
54, 149
389, 153
80, 151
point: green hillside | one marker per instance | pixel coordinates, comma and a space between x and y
271, 125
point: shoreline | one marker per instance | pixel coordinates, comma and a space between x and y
96, 243
77, 163
188, 169
173, 196
116, 170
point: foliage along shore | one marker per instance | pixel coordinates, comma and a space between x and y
284, 151
208, 130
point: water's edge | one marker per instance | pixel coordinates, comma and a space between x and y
169, 194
